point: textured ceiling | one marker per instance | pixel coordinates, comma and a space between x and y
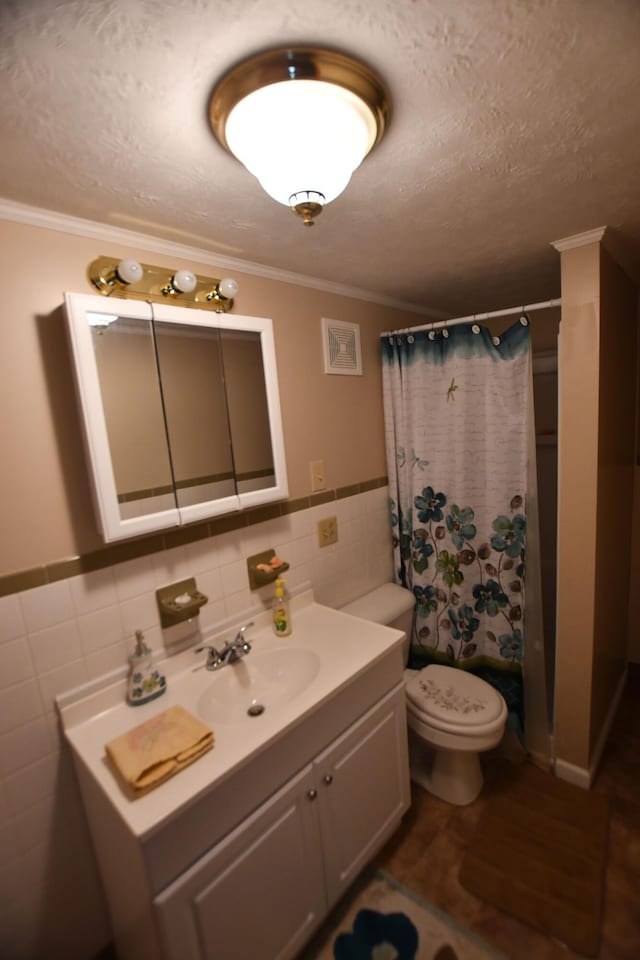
515, 123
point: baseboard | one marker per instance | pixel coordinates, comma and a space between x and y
580, 776
572, 774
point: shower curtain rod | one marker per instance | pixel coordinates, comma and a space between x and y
437, 324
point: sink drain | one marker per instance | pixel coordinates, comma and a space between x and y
255, 709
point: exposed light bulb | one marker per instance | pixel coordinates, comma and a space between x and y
227, 288
129, 271
184, 281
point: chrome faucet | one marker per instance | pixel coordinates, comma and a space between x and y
232, 651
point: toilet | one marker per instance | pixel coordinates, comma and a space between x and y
452, 715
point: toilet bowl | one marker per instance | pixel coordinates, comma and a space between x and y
452, 715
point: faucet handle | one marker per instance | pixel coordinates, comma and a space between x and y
207, 646
240, 640
213, 657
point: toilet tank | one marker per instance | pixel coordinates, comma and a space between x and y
390, 605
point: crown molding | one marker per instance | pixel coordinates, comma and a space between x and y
579, 239
611, 242
94, 230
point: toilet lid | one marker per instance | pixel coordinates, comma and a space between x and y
453, 696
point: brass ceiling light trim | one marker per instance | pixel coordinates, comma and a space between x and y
301, 119
307, 204
143, 281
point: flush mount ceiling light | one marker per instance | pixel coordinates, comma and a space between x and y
301, 120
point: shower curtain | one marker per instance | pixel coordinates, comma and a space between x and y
458, 421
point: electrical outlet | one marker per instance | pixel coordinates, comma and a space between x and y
327, 531
318, 481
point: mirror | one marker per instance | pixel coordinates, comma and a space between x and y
248, 406
180, 409
195, 411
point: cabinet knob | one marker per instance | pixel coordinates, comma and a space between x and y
312, 794
328, 778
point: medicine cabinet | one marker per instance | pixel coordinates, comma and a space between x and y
180, 410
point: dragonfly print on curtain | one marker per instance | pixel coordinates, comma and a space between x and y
456, 433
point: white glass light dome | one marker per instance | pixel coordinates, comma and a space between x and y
304, 136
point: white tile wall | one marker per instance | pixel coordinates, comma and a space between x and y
58, 636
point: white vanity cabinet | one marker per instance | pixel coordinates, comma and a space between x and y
258, 893
243, 853
264, 888
363, 790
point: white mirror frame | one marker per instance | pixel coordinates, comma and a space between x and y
112, 525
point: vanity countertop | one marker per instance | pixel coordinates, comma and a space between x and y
347, 647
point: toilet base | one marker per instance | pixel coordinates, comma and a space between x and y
453, 775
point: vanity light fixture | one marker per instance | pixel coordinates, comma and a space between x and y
301, 120
143, 281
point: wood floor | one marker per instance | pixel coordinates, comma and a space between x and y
426, 852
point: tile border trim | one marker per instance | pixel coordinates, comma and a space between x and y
144, 546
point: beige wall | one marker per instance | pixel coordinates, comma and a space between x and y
57, 634
616, 467
46, 507
597, 435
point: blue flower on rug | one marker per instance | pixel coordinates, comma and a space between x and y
377, 936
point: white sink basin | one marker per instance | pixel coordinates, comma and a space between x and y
312, 685
257, 684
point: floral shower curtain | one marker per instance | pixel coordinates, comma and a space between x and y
457, 423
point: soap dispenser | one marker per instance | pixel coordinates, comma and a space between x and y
281, 614
145, 682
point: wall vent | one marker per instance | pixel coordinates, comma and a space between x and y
341, 343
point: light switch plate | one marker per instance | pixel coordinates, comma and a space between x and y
318, 479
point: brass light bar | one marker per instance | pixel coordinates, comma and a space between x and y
143, 281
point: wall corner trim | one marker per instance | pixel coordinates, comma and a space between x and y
579, 239
579, 775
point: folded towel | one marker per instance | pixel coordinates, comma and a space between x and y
153, 751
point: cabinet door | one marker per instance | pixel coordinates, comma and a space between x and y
363, 790
258, 893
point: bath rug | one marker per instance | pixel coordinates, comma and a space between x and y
380, 919
539, 853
